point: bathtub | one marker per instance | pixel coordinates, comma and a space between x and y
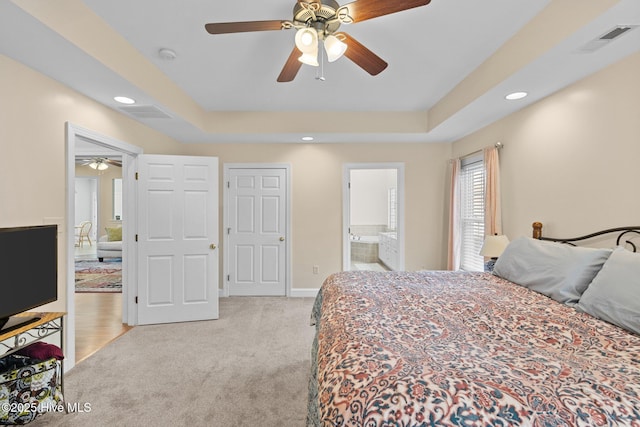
364, 249
365, 239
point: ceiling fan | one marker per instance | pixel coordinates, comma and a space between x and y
317, 20
98, 163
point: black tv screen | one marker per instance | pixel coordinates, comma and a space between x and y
28, 271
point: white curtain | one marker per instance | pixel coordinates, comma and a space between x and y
453, 262
492, 203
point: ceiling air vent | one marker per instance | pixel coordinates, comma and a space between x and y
145, 112
606, 38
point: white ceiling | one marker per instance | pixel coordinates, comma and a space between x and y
430, 50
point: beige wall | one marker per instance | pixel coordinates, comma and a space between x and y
571, 160
33, 112
34, 109
317, 198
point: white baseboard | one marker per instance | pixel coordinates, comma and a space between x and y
303, 293
295, 293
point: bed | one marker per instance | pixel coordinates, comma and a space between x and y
551, 338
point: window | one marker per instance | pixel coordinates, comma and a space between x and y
392, 214
472, 190
117, 198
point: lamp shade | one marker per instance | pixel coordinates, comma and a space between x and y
493, 246
307, 43
334, 47
307, 40
309, 59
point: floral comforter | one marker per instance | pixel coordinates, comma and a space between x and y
464, 349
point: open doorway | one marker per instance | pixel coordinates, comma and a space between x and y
373, 217
83, 146
98, 257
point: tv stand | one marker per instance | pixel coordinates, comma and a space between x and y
14, 322
38, 327
29, 328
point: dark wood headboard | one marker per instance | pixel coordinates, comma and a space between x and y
622, 231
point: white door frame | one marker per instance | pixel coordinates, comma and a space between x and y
129, 154
225, 221
346, 208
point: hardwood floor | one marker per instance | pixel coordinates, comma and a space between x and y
98, 321
98, 315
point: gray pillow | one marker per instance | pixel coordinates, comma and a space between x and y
557, 270
614, 294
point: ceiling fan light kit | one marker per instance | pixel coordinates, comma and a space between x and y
306, 39
98, 164
334, 47
309, 59
317, 20
307, 42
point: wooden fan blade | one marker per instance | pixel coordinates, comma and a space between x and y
113, 162
291, 67
363, 57
361, 10
243, 27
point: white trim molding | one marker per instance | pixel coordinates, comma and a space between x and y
346, 213
304, 293
129, 152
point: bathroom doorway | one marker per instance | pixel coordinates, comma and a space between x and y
373, 217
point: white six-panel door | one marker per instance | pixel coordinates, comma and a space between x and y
257, 231
177, 238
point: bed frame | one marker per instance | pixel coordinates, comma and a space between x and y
622, 231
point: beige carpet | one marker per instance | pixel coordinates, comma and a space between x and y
249, 368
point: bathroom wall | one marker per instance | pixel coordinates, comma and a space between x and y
369, 204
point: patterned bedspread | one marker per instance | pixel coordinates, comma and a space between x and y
464, 349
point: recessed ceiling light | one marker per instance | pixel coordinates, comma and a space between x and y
307, 138
516, 95
124, 100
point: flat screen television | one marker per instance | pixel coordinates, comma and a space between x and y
28, 272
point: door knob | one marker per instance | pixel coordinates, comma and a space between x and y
212, 246
282, 239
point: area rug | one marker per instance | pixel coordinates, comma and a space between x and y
95, 276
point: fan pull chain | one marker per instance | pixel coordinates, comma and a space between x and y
320, 72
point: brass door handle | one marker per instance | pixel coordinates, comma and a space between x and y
282, 239
212, 246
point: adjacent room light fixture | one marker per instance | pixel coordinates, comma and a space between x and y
493, 247
516, 95
124, 100
307, 43
307, 138
98, 164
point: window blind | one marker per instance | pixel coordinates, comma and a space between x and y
472, 190
392, 222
